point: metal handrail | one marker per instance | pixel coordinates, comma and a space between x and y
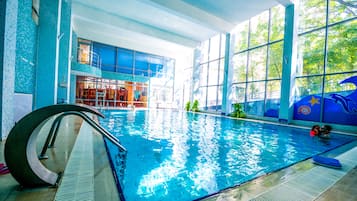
93, 56
51, 138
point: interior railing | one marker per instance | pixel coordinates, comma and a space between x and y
51, 138
20, 152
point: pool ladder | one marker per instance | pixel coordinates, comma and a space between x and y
20, 147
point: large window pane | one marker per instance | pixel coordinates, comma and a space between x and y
257, 64
221, 71
240, 37
106, 54
204, 51
277, 23
238, 93
213, 73
255, 91
219, 98
342, 10
125, 60
312, 14
308, 86
272, 101
255, 98
212, 97
275, 61
333, 83
259, 29
84, 53
342, 48
214, 47
203, 75
201, 97
239, 67
223, 45
311, 53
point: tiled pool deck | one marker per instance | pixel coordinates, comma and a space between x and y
302, 181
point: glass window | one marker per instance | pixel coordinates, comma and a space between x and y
107, 55
342, 10
273, 89
277, 23
219, 97
342, 48
308, 86
125, 61
221, 71
333, 83
213, 73
201, 97
239, 67
223, 45
312, 14
211, 97
272, 101
240, 37
84, 53
275, 60
311, 53
255, 98
259, 29
257, 64
204, 51
238, 93
255, 91
203, 75
214, 47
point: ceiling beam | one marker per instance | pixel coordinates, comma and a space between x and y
191, 13
285, 2
96, 15
126, 39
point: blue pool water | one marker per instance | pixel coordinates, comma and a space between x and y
183, 156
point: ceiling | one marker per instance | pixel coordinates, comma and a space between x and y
163, 27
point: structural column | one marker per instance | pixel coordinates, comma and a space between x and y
8, 28
227, 78
289, 66
48, 51
65, 47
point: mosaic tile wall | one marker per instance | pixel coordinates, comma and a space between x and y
25, 49
8, 70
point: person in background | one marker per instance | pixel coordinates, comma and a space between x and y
325, 131
315, 131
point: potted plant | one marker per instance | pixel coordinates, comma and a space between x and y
238, 111
195, 106
188, 106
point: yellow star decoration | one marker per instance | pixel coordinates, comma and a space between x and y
314, 101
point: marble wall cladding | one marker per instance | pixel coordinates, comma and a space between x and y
25, 49
8, 68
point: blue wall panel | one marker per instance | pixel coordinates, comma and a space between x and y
115, 59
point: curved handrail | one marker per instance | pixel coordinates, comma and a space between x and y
20, 146
51, 138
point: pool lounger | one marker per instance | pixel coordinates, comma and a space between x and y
328, 162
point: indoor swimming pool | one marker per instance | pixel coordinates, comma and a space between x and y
174, 155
